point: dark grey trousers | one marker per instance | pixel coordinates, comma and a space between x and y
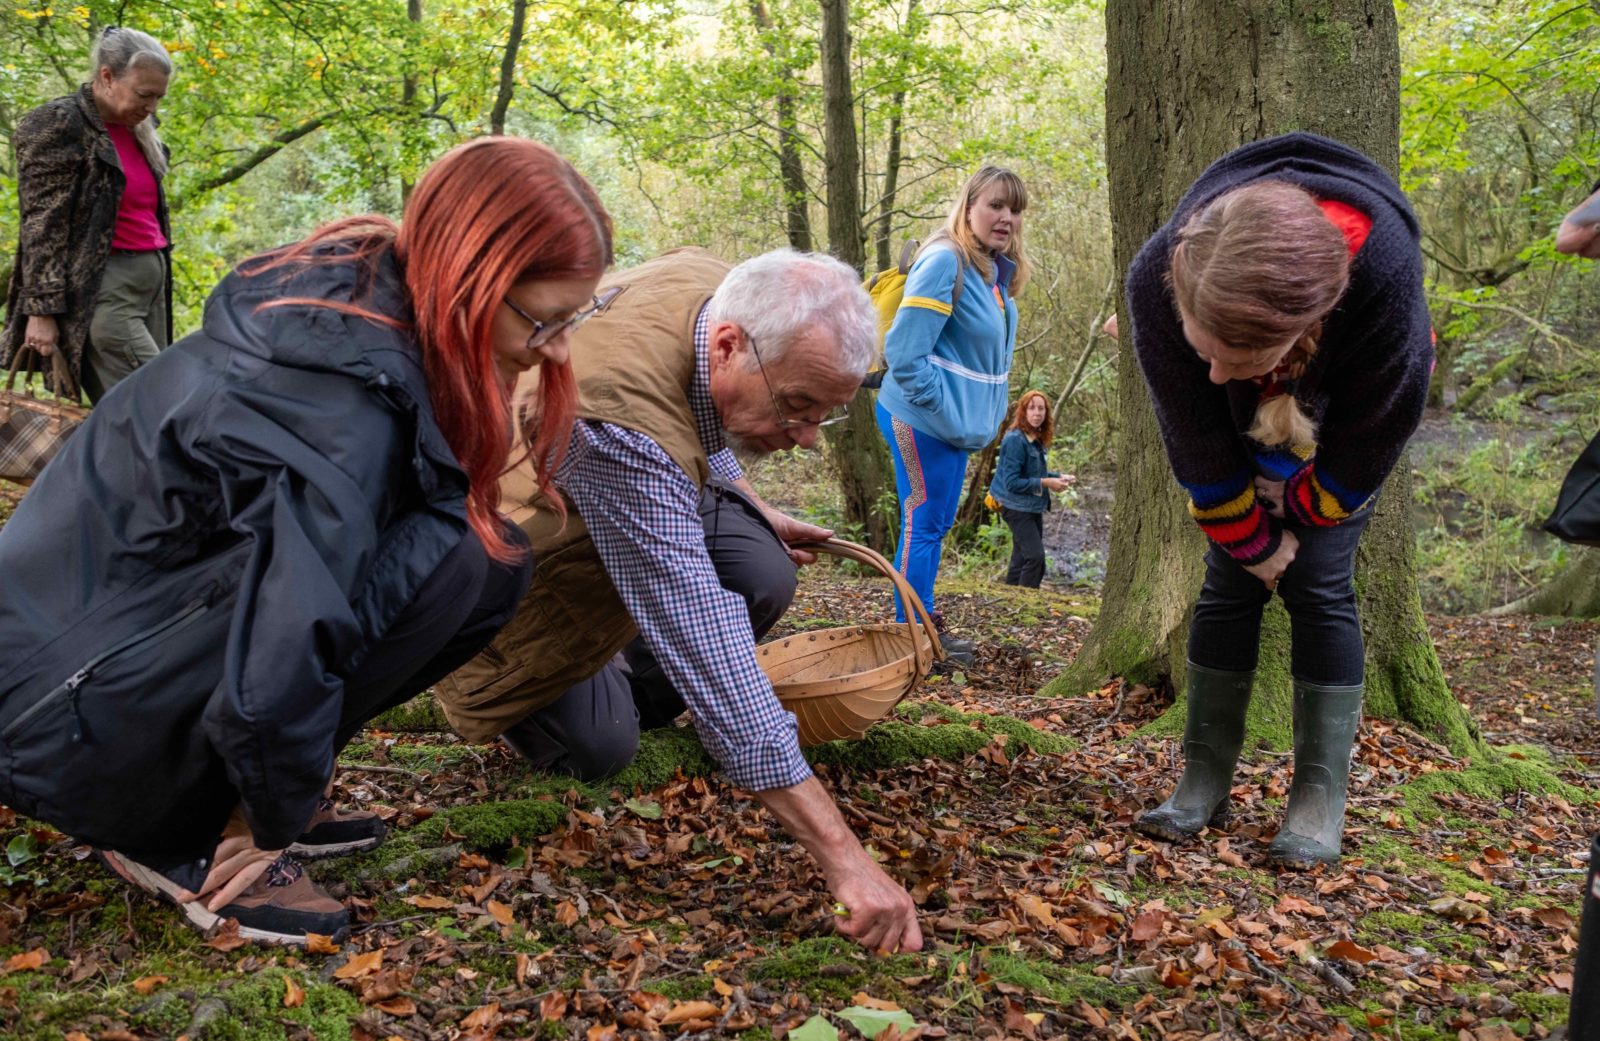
593, 729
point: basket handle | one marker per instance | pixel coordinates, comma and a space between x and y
918, 614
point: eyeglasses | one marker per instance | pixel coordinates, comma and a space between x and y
544, 332
837, 415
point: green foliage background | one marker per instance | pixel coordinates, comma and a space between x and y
283, 115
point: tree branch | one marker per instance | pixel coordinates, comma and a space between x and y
253, 160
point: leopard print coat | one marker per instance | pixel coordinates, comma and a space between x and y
69, 184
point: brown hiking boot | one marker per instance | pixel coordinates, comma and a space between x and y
334, 832
281, 906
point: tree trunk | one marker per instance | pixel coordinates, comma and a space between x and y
791, 168
508, 68
845, 240
860, 458
1573, 593
1187, 82
884, 226
408, 92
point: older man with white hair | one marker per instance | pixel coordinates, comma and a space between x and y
662, 537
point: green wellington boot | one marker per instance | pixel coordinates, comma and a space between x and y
1325, 721
1212, 736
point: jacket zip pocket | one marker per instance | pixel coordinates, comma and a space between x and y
69, 689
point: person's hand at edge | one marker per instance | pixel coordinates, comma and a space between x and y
1272, 569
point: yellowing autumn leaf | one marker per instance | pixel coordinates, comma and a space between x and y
293, 994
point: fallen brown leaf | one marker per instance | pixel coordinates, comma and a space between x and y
359, 965
147, 984
226, 937
688, 1010
28, 961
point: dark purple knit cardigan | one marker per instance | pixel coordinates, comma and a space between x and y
1365, 387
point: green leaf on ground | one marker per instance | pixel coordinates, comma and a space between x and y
817, 1028
874, 1021
649, 809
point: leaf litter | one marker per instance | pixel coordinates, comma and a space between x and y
686, 911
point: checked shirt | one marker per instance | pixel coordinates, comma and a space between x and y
643, 513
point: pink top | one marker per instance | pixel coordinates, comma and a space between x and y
138, 227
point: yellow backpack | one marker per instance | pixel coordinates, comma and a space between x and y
887, 288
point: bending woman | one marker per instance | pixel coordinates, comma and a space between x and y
295, 528
949, 363
93, 269
1281, 326
1022, 485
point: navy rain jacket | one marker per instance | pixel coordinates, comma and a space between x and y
187, 583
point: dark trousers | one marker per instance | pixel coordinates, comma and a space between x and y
1583, 1019
453, 616
1027, 547
1318, 591
593, 729
468, 598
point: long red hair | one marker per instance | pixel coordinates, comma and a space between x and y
486, 216
1019, 419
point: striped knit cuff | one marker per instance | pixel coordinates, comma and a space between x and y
1240, 527
1313, 502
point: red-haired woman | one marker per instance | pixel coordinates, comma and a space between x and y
1022, 485
293, 526
1281, 326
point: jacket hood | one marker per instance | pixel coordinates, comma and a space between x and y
321, 339
1321, 165
309, 336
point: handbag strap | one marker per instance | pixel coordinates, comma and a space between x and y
916, 613
66, 387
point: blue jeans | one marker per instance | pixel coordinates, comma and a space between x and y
1318, 591
928, 476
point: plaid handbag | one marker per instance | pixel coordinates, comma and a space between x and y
34, 426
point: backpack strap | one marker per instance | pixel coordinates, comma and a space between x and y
908, 253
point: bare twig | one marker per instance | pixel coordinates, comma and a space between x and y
365, 768
1116, 709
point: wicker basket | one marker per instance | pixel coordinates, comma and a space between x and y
838, 682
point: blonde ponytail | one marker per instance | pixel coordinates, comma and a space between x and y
1280, 420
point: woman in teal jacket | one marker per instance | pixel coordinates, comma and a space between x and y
949, 365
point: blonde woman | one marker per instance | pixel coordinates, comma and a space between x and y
949, 366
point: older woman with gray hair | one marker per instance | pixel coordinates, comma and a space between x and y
92, 274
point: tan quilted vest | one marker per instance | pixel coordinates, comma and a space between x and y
634, 363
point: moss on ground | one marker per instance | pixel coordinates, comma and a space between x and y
689, 988
833, 967
1549, 1010
662, 753
493, 825
1066, 984
1494, 774
419, 715
204, 1005
255, 1010
1019, 731
1381, 849
895, 744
